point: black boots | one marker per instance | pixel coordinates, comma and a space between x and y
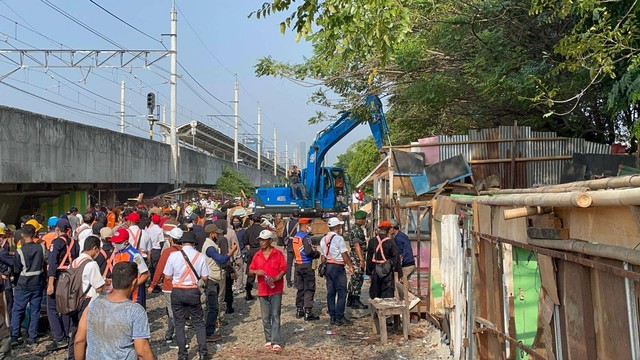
299, 313
308, 315
355, 303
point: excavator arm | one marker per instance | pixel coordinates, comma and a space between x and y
335, 132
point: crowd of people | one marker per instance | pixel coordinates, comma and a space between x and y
85, 268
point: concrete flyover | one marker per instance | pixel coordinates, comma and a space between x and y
45, 156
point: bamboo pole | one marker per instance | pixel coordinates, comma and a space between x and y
510, 214
599, 184
575, 199
539, 190
615, 197
582, 247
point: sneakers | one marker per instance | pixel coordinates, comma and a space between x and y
299, 313
308, 315
214, 338
174, 345
57, 345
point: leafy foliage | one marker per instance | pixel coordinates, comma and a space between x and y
358, 160
232, 183
448, 66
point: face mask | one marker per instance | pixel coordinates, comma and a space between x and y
119, 246
189, 225
236, 224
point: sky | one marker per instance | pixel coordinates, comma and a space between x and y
216, 42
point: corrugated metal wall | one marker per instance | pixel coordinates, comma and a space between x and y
527, 173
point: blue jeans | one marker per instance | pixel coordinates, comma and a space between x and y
336, 285
20, 300
270, 307
212, 304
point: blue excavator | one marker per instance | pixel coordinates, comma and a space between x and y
327, 188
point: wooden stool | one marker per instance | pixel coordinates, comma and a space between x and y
396, 307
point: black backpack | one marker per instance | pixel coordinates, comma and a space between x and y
69, 292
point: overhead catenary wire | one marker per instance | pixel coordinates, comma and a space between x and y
34, 30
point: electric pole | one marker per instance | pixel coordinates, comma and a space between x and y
275, 153
286, 155
174, 93
259, 139
122, 106
235, 125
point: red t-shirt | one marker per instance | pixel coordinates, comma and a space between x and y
272, 266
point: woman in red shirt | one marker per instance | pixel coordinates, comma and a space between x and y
269, 265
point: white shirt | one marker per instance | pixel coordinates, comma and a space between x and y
83, 235
355, 198
91, 276
144, 246
156, 235
176, 265
336, 248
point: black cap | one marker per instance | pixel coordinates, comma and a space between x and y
188, 237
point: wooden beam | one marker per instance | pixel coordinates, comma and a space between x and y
549, 234
566, 255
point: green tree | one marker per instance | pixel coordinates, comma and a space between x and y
232, 183
448, 66
358, 161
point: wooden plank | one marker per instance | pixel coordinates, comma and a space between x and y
481, 223
512, 327
444, 206
548, 276
576, 311
515, 229
609, 307
597, 224
493, 293
546, 221
550, 234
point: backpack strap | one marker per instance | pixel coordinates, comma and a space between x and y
80, 267
330, 259
67, 257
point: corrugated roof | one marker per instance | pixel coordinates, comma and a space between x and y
500, 173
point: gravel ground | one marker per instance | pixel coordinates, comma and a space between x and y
243, 337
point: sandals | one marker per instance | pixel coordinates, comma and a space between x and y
276, 348
268, 346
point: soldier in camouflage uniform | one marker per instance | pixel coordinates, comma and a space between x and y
358, 245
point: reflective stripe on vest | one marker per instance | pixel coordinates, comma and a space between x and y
379, 248
188, 273
24, 271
